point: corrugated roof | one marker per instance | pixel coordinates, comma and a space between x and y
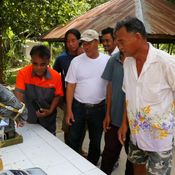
157, 15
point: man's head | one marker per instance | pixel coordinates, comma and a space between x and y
90, 41
72, 37
130, 35
40, 56
108, 39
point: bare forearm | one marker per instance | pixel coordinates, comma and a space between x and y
125, 118
108, 98
54, 103
70, 95
124, 127
19, 96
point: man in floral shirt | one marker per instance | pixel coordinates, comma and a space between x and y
149, 83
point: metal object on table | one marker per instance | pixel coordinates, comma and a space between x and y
10, 109
1, 165
29, 171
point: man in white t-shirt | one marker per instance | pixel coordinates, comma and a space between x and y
85, 96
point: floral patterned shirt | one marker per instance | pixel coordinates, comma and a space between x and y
150, 100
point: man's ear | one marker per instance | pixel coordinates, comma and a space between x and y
138, 35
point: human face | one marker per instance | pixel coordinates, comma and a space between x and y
72, 43
39, 65
128, 42
90, 48
108, 42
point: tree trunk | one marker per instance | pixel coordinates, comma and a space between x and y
1, 50
1, 60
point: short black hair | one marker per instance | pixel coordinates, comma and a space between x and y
73, 31
108, 30
132, 24
41, 51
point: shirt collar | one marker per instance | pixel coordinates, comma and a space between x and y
151, 56
47, 74
117, 56
115, 51
150, 59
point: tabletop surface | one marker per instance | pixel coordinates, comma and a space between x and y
42, 149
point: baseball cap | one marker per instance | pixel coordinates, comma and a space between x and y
89, 35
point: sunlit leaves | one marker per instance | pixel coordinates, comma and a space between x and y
39, 16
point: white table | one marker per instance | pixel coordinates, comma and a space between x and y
42, 149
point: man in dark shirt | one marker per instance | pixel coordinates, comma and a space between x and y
113, 73
62, 62
61, 65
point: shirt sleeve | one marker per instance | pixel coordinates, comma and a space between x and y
20, 81
108, 71
71, 74
170, 72
59, 87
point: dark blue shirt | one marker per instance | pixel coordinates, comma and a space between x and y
62, 64
114, 72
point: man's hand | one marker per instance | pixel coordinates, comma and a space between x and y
122, 133
43, 112
70, 118
106, 123
19, 122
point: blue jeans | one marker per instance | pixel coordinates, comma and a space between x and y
92, 117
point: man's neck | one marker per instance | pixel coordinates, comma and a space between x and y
142, 53
94, 55
141, 57
74, 53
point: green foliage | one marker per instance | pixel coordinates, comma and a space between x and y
169, 48
57, 49
20, 20
173, 1
95, 3
33, 17
12, 47
10, 78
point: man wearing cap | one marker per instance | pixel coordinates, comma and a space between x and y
86, 95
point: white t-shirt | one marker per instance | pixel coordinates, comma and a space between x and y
150, 100
86, 73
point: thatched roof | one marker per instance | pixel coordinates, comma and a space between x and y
157, 15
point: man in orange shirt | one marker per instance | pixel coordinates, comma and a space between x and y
39, 87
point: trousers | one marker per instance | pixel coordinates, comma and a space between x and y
112, 151
90, 116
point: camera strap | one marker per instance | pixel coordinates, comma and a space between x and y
10, 108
